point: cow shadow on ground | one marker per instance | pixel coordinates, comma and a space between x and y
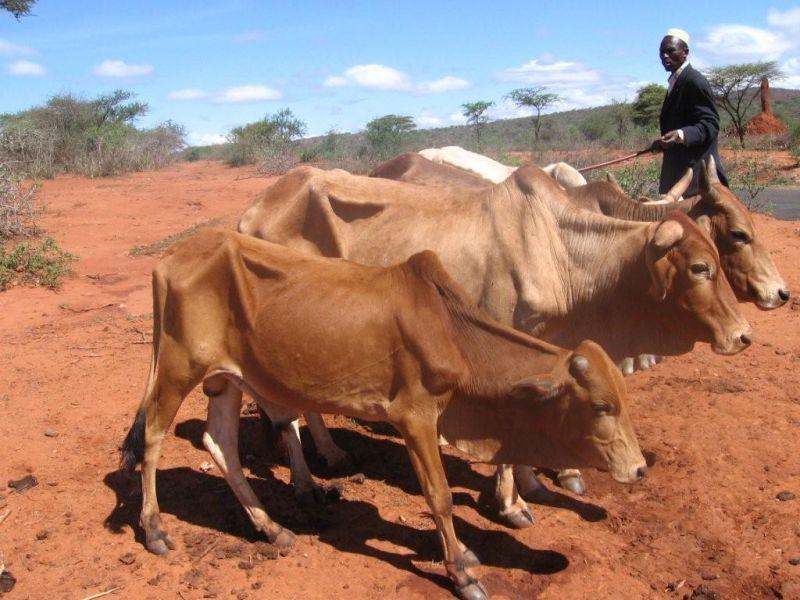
351, 526
385, 459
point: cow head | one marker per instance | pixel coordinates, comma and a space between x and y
746, 262
590, 424
686, 278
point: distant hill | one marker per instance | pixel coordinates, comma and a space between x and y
572, 129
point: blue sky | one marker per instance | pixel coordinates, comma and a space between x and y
214, 65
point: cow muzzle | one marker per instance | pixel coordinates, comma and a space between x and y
632, 474
741, 338
771, 297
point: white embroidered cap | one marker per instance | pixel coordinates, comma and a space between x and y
678, 33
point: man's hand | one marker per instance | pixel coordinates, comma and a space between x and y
670, 139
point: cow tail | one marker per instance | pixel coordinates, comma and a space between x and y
132, 451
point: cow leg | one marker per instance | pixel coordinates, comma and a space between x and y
423, 448
164, 399
306, 491
513, 509
572, 480
335, 457
221, 439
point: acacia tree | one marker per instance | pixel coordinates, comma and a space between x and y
536, 98
475, 112
734, 87
385, 134
18, 8
646, 108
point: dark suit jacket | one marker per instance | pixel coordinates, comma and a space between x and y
689, 106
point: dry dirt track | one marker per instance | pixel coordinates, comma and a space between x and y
722, 431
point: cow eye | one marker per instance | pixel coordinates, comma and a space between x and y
700, 268
740, 236
601, 408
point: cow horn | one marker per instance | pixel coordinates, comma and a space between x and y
679, 189
709, 176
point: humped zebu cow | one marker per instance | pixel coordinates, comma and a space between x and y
400, 344
487, 168
716, 208
746, 261
528, 257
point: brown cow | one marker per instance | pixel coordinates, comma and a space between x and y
525, 255
746, 261
397, 344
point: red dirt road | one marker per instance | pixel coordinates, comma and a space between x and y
723, 432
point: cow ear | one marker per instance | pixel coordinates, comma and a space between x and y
704, 221
667, 234
539, 388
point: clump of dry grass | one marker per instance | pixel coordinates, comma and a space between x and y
17, 205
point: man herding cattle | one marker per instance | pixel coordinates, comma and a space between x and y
689, 118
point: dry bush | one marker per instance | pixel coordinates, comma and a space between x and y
750, 176
17, 205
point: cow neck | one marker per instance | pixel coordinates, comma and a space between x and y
497, 356
603, 255
609, 285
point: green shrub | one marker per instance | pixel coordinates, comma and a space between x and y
268, 143
42, 263
639, 178
794, 141
92, 137
385, 136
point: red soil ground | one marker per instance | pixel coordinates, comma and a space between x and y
722, 432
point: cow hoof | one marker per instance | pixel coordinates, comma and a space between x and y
518, 519
472, 591
573, 483
316, 496
284, 540
626, 365
160, 545
341, 465
471, 559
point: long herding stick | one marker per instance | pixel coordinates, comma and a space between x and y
654, 147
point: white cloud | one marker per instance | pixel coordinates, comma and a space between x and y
743, 43
792, 69
383, 78
195, 138
426, 120
458, 119
549, 71
246, 93
335, 81
26, 67
119, 68
788, 19
248, 37
8, 48
187, 94
445, 84
376, 77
